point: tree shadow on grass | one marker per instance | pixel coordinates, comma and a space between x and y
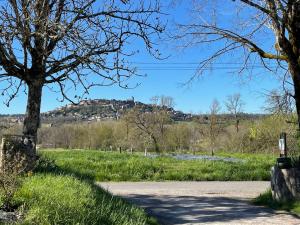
48, 166
202, 209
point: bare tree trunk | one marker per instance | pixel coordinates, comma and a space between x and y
25, 148
237, 122
295, 71
155, 144
32, 116
297, 100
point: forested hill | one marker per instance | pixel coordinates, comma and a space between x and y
104, 109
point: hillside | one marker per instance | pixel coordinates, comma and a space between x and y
104, 109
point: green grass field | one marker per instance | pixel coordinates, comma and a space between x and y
111, 166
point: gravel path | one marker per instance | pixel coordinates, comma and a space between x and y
182, 203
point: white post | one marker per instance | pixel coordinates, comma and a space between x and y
2, 154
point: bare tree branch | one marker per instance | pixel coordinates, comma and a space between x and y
82, 43
277, 19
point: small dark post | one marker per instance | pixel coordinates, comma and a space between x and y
120, 149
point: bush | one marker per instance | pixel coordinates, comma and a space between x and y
262, 136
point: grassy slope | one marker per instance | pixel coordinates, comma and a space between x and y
52, 195
107, 166
58, 199
266, 199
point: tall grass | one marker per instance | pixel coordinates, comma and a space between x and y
108, 166
53, 195
63, 199
265, 199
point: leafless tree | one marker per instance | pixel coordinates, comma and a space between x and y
71, 44
214, 107
234, 105
161, 106
163, 101
214, 128
166, 101
150, 124
278, 103
248, 32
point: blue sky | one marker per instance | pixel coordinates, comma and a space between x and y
163, 80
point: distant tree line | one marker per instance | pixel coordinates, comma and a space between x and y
144, 130
155, 132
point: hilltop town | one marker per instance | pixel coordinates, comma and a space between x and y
104, 109
93, 110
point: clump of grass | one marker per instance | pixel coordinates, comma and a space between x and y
63, 199
108, 166
265, 199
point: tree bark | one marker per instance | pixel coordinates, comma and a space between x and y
295, 72
237, 123
25, 147
155, 144
32, 116
297, 100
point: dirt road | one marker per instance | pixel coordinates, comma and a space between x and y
182, 203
